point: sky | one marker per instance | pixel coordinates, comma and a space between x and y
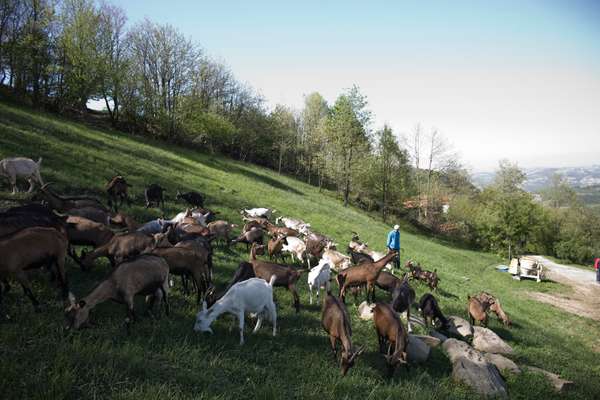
499, 79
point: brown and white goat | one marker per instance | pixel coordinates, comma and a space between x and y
274, 247
363, 274
286, 276
336, 322
393, 339
33, 248
147, 275
275, 230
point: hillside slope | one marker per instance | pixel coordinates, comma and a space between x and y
166, 359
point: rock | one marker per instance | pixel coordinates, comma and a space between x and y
559, 384
502, 363
438, 335
485, 339
460, 327
430, 341
365, 311
469, 366
417, 351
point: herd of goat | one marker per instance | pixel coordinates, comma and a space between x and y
144, 257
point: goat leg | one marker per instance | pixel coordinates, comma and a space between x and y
241, 322
332, 341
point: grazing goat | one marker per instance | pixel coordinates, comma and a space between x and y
336, 322
184, 261
318, 277
393, 339
295, 224
147, 275
252, 224
154, 195
122, 247
274, 247
250, 296
123, 220
243, 272
221, 230
85, 232
295, 247
20, 167
387, 281
363, 274
359, 258
430, 278
403, 297
202, 246
198, 216
254, 235
64, 203
33, 248
17, 218
261, 221
286, 275
275, 230
260, 212
430, 311
116, 189
337, 260
194, 199
477, 312
497, 309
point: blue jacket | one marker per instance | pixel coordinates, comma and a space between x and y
393, 240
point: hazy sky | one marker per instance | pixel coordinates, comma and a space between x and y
500, 79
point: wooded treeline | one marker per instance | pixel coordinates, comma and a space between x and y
60, 54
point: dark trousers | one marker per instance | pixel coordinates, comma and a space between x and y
396, 260
598, 275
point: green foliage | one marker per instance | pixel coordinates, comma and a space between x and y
210, 130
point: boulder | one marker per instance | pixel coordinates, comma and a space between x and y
485, 339
418, 351
460, 327
430, 341
502, 363
470, 367
365, 311
438, 335
559, 384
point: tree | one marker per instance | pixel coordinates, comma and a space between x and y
284, 129
509, 178
312, 120
560, 193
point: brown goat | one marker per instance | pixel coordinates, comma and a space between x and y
275, 230
221, 229
251, 224
184, 261
477, 312
254, 235
147, 275
116, 190
122, 247
392, 336
274, 246
430, 311
33, 248
497, 309
286, 276
336, 322
125, 221
84, 232
363, 274
64, 204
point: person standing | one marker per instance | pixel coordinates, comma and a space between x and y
393, 243
597, 266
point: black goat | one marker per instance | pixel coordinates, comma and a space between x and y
193, 198
403, 297
430, 311
154, 195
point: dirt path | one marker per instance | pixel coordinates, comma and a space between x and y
584, 300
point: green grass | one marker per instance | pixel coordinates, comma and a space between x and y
166, 359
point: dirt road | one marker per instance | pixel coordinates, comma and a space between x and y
584, 300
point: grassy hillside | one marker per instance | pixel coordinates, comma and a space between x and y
166, 359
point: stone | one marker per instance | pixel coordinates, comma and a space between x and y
417, 351
559, 384
470, 367
430, 341
486, 340
502, 363
460, 327
365, 311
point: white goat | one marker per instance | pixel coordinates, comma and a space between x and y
296, 247
250, 296
337, 260
198, 216
318, 277
258, 212
296, 224
20, 167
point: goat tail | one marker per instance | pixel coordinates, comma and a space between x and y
39, 161
340, 278
272, 280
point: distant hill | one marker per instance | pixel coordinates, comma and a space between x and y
540, 178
